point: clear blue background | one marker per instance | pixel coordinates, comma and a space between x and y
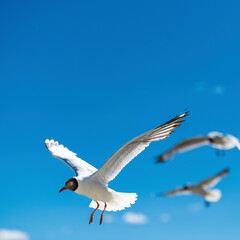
95, 74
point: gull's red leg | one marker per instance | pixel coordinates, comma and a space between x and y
101, 218
91, 217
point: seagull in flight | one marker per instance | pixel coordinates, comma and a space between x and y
202, 189
93, 183
214, 139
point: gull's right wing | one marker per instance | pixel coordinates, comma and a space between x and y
214, 180
130, 150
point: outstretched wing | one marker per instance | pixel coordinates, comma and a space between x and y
177, 192
80, 167
183, 146
234, 140
214, 180
127, 152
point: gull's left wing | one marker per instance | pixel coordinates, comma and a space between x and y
177, 192
80, 167
183, 146
130, 150
214, 180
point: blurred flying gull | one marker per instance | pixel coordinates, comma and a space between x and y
202, 189
214, 139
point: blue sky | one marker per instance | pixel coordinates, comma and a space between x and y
94, 75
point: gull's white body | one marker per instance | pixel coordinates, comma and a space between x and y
100, 193
209, 195
214, 139
94, 190
202, 189
93, 183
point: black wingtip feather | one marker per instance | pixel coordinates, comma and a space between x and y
226, 170
181, 121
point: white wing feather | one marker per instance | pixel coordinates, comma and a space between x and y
126, 153
80, 167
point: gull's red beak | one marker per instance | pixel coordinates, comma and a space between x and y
62, 189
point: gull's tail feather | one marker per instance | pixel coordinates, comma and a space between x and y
214, 195
118, 202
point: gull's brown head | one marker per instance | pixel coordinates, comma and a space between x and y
71, 184
186, 187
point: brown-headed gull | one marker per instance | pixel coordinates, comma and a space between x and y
202, 189
215, 139
93, 183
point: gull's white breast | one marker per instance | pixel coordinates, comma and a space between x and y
93, 190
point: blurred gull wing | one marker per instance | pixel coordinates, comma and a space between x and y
185, 145
234, 140
214, 180
177, 192
80, 167
130, 150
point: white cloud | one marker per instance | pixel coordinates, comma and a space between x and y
6, 234
208, 88
218, 90
108, 218
135, 218
165, 217
66, 230
200, 87
195, 207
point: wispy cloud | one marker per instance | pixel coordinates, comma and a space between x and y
208, 88
219, 89
195, 207
165, 217
6, 234
135, 218
66, 230
108, 218
200, 87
